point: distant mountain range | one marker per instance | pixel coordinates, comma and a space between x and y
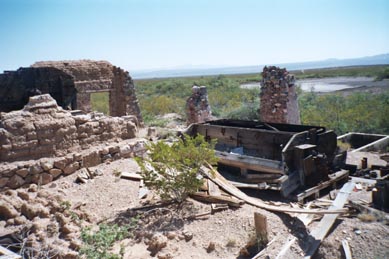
382, 59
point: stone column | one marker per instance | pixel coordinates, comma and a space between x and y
278, 97
197, 106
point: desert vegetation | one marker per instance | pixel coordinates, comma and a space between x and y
357, 111
173, 171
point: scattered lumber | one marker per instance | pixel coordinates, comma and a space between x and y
231, 201
321, 230
218, 179
347, 250
131, 176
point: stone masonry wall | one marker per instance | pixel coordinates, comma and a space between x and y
45, 170
278, 97
43, 129
197, 106
71, 84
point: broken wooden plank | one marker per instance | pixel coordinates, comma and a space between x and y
217, 178
215, 207
143, 192
333, 179
260, 223
327, 221
346, 249
249, 162
7, 254
131, 176
217, 199
213, 189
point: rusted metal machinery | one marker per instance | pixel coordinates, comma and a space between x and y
274, 156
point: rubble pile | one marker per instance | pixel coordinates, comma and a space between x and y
197, 106
278, 98
46, 224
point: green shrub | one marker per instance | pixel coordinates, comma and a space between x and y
173, 170
384, 74
96, 244
247, 111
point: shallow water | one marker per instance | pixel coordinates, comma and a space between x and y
327, 84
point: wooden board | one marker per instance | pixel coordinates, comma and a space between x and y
251, 163
325, 224
217, 178
130, 176
336, 177
213, 189
346, 249
217, 199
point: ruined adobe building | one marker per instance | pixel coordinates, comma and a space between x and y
40, 140
278, 98
197, 107
71, 84
43, 141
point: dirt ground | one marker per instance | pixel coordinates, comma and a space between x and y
167, 231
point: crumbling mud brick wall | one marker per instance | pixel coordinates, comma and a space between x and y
70, 83
43, 129
44, 142
278, 97
197, 107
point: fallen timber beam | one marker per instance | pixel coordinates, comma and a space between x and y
232, 201
217, 178
325, 224
250, 163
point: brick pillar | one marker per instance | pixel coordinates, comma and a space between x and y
197, 106
278, 97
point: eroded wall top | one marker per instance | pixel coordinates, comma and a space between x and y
71, 84
43, 129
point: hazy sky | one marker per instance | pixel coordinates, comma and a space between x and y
141, 34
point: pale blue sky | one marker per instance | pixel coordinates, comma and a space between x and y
141, 34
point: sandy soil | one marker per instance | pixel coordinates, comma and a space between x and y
108, 198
